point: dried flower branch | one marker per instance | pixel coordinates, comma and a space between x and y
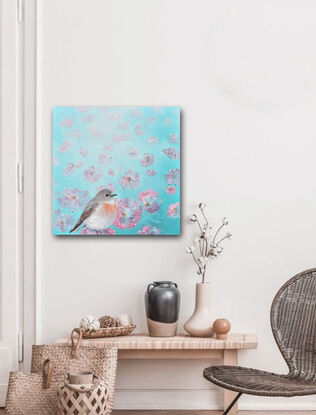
207, 245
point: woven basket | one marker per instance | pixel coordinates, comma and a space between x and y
101, 361
32, 393
82, 399
108, 332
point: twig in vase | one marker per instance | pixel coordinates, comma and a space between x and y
207, 245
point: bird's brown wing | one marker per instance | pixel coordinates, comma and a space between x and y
89, 209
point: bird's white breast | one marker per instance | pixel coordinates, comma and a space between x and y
101, 218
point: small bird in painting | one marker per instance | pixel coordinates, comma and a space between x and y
99, 214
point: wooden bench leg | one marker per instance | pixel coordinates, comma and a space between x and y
230, 358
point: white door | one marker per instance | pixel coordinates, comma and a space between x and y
10, 199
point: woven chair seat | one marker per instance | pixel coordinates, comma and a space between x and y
258, 382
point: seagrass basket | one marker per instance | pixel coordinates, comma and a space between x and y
82, 399
101, 361
108, 332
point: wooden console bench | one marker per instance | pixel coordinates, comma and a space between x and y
140, 346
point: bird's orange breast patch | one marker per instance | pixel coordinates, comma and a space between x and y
109, 208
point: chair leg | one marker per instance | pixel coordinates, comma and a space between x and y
232, 403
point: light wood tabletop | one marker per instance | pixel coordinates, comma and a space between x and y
181, 342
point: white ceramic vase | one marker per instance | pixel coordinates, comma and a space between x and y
200, 324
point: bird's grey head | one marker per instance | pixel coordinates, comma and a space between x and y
105, 194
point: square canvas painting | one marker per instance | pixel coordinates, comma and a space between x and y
116, 170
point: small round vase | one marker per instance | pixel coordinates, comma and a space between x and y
162, 302
200, 323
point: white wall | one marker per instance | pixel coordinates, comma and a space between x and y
243, 72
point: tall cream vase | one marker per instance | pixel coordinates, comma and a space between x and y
200, 323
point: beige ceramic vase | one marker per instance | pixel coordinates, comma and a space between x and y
200, 323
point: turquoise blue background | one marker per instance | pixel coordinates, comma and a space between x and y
74, 125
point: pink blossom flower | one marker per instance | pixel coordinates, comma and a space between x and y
74, 134
88, 118
122, 126
84, 152
111, 172
172, 153
69, 169
150, 200
118, 138
87, 231
151, 172
153, 140
139, 129
158, 110
95, 130
63, 222
147, 160
173, 138
173, 177
92, 174
67, 122
110, 231
114, 117
137, 113
101, 187
147, 195
171, 190
73, 199
104, 158
174, 210
98, 188
132, 152
111, 187
130, 180
129, 213
149, 230
151, 120
82, 108
64, 147
153, 208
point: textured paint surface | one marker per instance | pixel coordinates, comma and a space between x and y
134, 151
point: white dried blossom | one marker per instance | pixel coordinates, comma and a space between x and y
207, 244
203, 260
224, 221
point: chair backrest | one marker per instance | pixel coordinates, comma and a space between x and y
293, 322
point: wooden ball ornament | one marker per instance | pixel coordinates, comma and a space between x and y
221, 327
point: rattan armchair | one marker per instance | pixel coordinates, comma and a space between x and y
293, 322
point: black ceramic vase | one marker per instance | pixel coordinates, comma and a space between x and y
162, 301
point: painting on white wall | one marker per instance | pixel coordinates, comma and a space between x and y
116, 170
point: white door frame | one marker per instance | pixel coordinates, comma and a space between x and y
31, 298
11, 206
18, 297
